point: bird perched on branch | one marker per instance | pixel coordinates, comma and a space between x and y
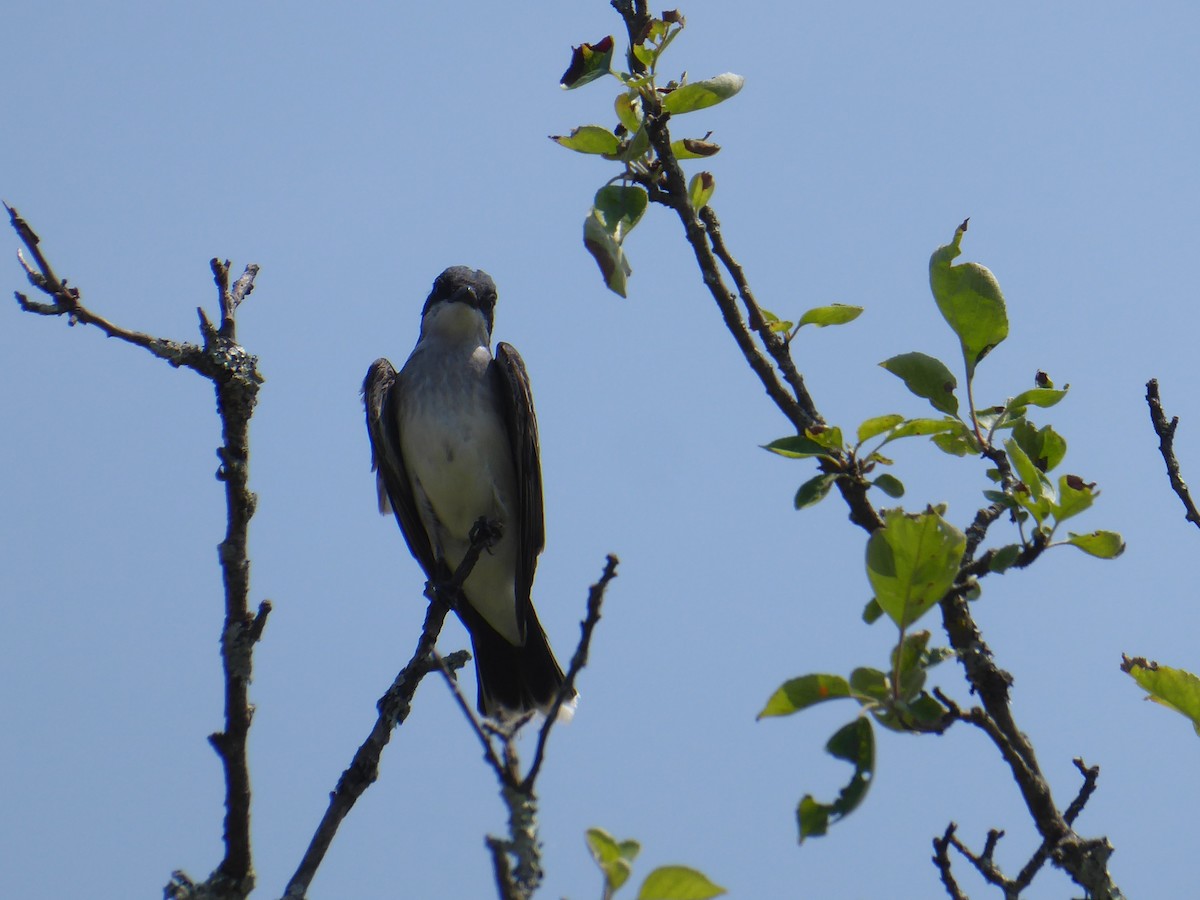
453, 439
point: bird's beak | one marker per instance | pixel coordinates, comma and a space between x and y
465, 294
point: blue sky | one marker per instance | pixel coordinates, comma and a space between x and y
354, 155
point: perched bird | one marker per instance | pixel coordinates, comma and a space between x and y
453, 439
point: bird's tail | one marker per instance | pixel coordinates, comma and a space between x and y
513, 680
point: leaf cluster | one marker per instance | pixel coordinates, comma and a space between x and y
619, 205
615, 860
917, 560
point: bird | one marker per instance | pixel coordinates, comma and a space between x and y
454, 439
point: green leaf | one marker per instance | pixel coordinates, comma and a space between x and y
614, 858
926, 377
814, 490
926, 426
1043, 397
1044, 446
912, 562
634, 148
970, 301
678, 883
924, 709
608, 255
700, 189
1040, 495
878, 425
588, 62
870, 683
890, 485
825, 436
702, 94
629, 110
800, 693
1175, 689
694, 148
1074, 496
958, 441
589, 139
619, 208
1104, 544
854, 743
872, 611
774, 323
796, 447
1004, 557
834, 314
910, 658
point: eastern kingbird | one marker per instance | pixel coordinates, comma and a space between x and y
454, 438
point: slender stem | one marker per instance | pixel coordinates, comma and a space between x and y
578, 661
1166, 445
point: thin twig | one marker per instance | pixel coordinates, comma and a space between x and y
1166, 445
489, 752
675, 195
66, 301
985, 865
776, 346
393, 707
578, 661
522, 880
1090, 775
941, 859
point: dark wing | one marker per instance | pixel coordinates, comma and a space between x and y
513, 386
381, 399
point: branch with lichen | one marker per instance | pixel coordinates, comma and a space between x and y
516, 858
236, 379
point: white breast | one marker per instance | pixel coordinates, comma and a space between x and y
457, 454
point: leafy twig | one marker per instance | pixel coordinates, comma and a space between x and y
665, 184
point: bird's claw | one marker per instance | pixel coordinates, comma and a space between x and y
486, 532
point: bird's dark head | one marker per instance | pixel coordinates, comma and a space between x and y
460, 284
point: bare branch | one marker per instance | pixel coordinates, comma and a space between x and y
519, 882
578, 661
503, 871
984, 863
1166, 445
66, 301
1090, 775
394, 707
941, 859
489, 751
234, 374
776, 346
